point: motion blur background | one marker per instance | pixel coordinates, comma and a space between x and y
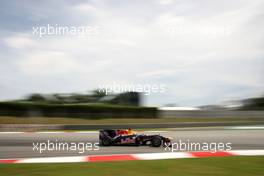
189, 69
208, 55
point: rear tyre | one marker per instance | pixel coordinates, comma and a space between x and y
156, 142
106, 142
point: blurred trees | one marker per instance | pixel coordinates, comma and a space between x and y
96, 96
254, 104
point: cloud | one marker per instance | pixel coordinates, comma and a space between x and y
19, 41
47, 63
159, 73
166, 2
84, 7
202, 51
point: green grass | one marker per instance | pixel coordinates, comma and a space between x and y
61, 120
219, 166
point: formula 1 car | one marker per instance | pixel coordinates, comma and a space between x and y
113, 137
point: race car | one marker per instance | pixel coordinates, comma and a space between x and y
128, 137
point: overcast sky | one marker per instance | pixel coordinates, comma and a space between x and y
203, 51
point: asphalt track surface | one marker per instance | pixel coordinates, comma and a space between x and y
20, 145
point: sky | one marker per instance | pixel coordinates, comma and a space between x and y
202, 51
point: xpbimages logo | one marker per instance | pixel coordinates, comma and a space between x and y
198, 146
56, 145
41, 31
146, 89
